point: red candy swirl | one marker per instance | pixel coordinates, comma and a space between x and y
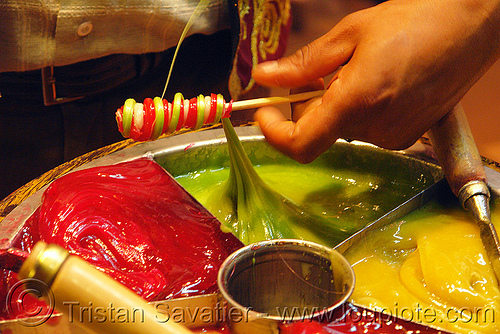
135, 223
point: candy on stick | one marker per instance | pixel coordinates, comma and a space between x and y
154, 117
148, 120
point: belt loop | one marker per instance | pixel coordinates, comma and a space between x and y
49, 89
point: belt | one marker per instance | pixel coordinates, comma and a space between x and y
62, 84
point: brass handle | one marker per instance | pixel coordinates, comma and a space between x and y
75, 284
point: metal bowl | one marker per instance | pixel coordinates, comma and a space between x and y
283, 280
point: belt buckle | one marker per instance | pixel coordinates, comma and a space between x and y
49, 89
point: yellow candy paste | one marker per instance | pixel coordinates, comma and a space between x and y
430, 268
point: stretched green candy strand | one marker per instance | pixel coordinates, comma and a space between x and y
253, 211
202, 5
249, 208
159, 119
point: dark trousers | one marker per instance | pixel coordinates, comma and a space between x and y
35, 138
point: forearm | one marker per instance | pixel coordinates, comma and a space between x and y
486, 17
494, 23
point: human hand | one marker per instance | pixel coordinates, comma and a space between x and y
401, 66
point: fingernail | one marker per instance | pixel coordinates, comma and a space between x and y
267, 67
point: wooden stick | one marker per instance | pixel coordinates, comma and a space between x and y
268, 101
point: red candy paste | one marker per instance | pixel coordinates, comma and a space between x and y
134, 222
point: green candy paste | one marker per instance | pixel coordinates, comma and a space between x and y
324, 202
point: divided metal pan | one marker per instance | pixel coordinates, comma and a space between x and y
182, 153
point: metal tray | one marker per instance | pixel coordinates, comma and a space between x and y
190, 151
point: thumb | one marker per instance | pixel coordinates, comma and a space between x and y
315, 60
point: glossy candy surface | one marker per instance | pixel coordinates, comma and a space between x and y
432, 268
154, 117
135, 223
132, 221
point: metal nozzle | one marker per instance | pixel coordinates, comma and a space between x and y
463, 167
475, 197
